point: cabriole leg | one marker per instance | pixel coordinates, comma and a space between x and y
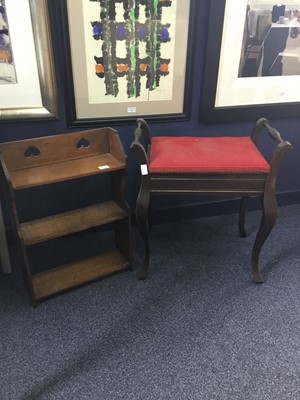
269, 217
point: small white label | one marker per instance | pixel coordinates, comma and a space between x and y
103, 167
144, 169
131, 109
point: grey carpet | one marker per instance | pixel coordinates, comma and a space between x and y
198, 328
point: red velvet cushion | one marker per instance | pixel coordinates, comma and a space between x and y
207, 154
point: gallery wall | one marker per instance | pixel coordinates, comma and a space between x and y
288, 180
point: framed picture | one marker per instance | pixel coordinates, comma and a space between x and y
126, 59
252, 61
27, 77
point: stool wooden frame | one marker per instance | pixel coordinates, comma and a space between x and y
210, 183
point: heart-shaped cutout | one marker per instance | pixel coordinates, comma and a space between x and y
83, 143
32, 151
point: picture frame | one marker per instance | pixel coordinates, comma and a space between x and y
111, 63
227, 95
33, 96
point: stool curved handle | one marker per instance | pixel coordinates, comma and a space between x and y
258, 128
142, 132
282, 148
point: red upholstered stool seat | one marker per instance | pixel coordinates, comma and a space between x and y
207, 154
212, 166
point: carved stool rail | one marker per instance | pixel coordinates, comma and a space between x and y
225, 166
